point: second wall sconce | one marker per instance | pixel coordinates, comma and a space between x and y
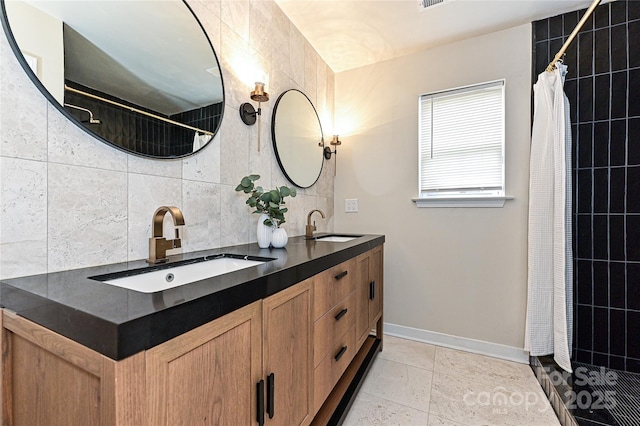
335, 141
327, 150
248, 113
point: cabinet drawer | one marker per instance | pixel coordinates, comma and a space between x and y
332, 326
330, 369
333, 285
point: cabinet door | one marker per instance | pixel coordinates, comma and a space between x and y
208, 376
288, 356
362, 298
48, 379
375, 286
369, 275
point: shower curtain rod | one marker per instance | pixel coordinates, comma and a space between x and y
558, 57
139, 111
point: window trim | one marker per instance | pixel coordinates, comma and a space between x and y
450, 201
473, 198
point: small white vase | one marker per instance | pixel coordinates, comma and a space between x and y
279, 238
264, 233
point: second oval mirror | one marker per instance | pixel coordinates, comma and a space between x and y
297, 138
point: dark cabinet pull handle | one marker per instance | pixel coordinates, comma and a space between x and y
270, 394
372, 290
260, 398
339, 354
342, 275
341, 314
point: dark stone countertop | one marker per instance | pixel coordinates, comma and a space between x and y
117, 322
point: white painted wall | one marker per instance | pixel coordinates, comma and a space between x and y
457, 271
68, 201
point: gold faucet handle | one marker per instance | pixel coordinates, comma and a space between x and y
158, 249
177, 242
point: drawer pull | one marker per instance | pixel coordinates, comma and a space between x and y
372, 290
342, 275
260, 398
339, 354
341, 314
270, 394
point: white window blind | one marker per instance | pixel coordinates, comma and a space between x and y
462, 142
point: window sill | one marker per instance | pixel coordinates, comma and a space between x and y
494, 202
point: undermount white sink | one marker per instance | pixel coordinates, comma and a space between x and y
170, 277
336, 238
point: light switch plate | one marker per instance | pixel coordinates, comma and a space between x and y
351, 205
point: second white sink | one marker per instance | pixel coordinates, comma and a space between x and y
166, 278
336, 238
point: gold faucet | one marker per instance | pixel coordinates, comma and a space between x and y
310, 228
158, 245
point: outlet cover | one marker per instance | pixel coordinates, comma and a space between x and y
351, 205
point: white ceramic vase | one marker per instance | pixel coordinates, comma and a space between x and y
264, 233
279, 238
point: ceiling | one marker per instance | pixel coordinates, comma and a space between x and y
352, 33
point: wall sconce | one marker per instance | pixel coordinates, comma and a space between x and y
327, 150
248, 113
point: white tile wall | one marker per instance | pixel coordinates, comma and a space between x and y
69, 201
23, 206
87, 216
201, 204
23, 111
68, 144
203, 167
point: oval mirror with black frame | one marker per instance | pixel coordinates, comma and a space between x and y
141, 76
297, 138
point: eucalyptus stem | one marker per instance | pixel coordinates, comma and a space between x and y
270, 202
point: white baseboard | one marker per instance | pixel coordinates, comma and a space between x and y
495, 350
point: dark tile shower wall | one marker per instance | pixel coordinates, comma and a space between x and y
203, 118
140, 133
603, 87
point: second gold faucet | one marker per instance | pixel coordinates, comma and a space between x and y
310, 228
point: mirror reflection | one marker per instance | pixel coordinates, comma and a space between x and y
297, 138
140, 75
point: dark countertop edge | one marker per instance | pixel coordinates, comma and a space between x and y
119, 341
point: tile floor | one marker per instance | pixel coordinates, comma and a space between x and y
413, 383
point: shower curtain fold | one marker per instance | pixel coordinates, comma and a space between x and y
549, 325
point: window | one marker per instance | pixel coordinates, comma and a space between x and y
461, 139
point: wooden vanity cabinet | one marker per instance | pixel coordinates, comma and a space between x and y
211, 375
284, 360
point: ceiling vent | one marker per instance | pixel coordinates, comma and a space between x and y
428, 3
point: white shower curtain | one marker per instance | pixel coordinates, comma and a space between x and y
549, 325
200, 140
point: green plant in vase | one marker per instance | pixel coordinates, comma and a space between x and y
270, 205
